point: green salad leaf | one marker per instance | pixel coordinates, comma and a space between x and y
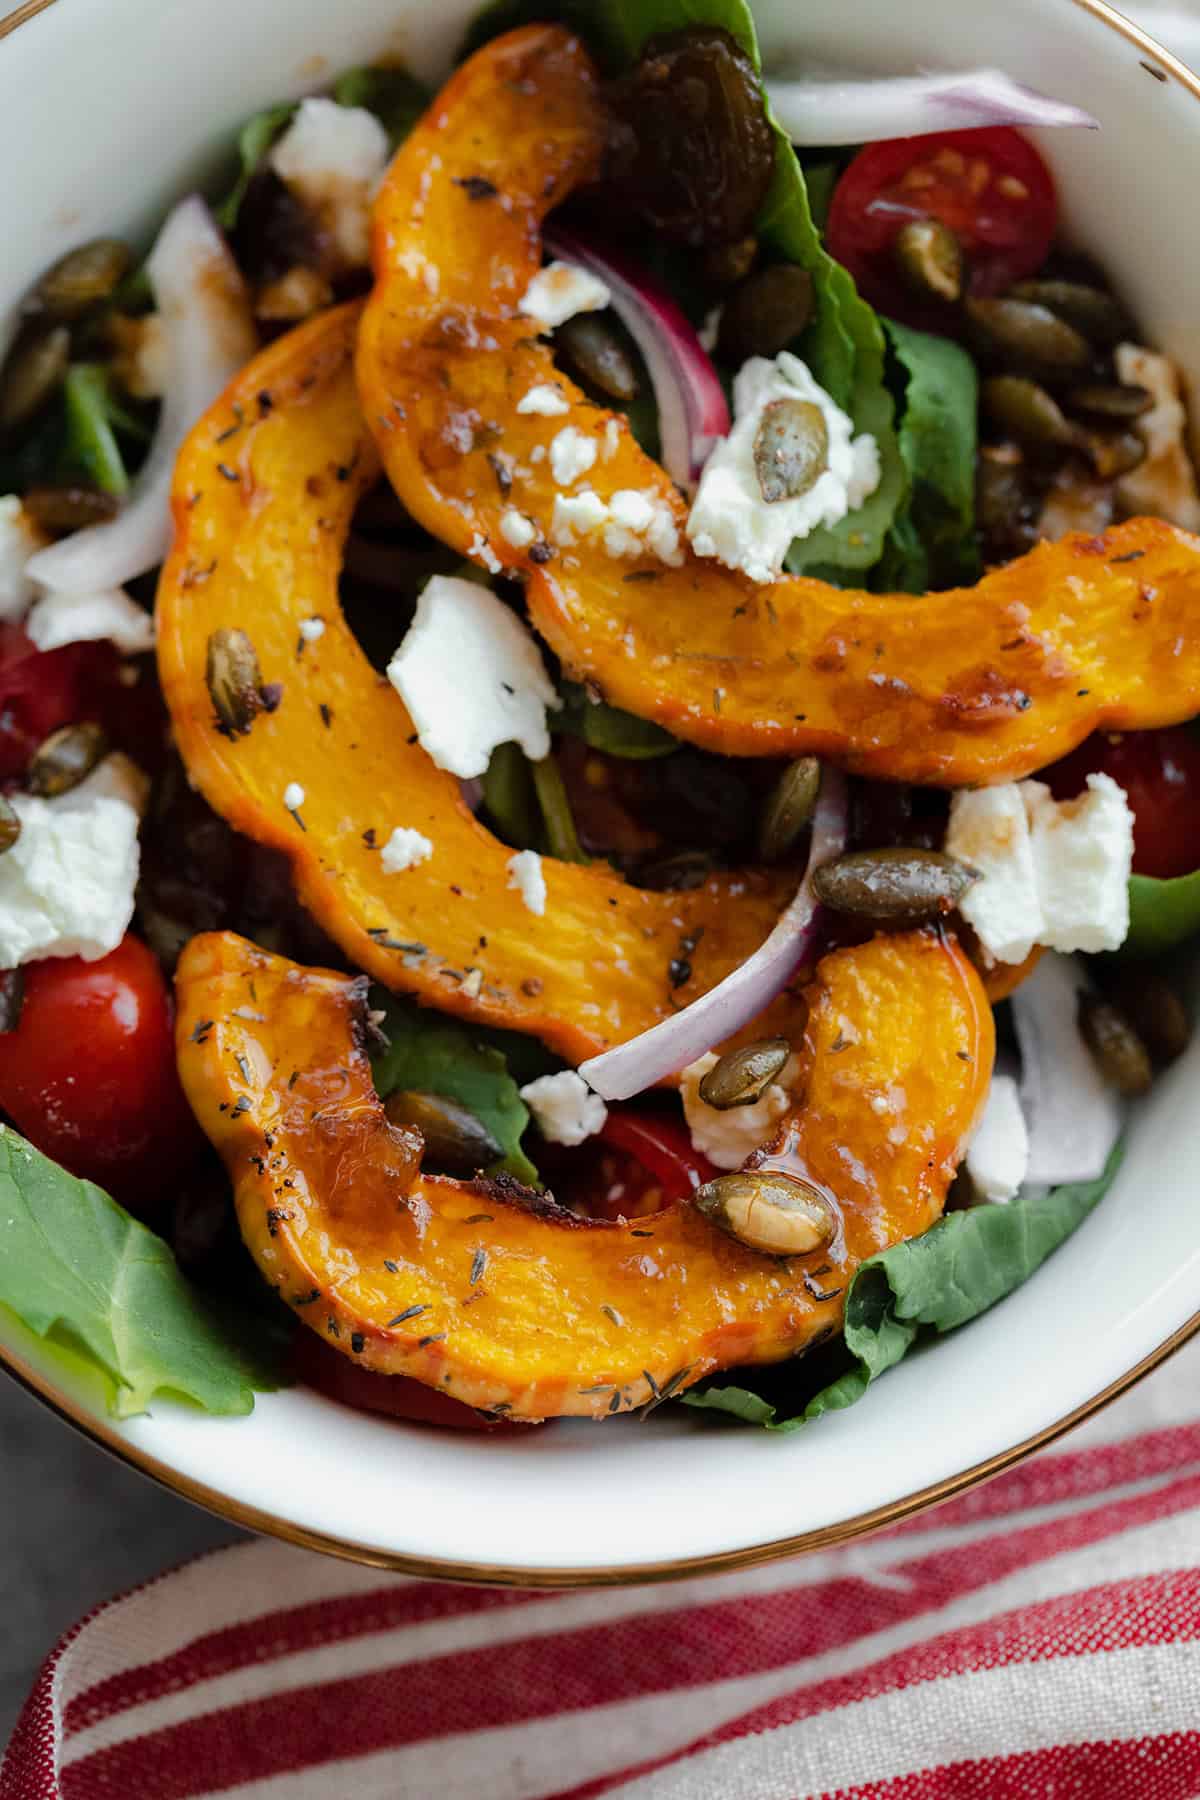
90, 442
78, 1271
607, 728
431, 1054
254, 140
395, 97
932, 540
940, 1280
1162, 913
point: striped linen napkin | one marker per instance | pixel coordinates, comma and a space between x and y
1037, 1637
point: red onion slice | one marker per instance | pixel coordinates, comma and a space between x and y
692, 410
210, 335
847, 109
675, 1042
1074, 1118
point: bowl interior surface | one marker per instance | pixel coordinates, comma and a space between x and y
111, 108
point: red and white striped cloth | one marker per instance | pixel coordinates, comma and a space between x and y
1037, 1637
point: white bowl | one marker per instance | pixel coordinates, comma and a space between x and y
108, 109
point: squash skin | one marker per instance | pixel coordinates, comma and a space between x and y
976, 685
514, 1287
262, 552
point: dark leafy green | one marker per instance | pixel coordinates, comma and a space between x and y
90, 442
932, 540
510, 798
254, 140
952, 1273
78, 1271
1162, 913
435, 1055
609, 729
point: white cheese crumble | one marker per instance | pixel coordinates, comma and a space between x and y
482, 551
516, 529
728, 1137
572, 454
62, 618
730, 520
293, 796
312, 629
67, 884
612, 438
331, 157
1164, 483
525, 873
404, 850
546, 401
559, 291
998, 1151
19, 539
632, 523
472, 677
564, 1107
1052, 872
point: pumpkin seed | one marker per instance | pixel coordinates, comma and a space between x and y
724, 264
1003, 501
765, 313
69, 508
789, 808
595, 352
930, 258
1154, 1009
743, 1076
33, 373
1116, 1048
10, 825
1022, 335
768, 1211
455, 1140
1119, 400
1026, 411
1113, 453
893, 886
234, 680
66, 757
82, 278
791, 449
676, 874
1095, 314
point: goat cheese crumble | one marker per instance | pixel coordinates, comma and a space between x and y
331, 157
564, 1107
730, 520
559, 291
293, 796
472, 677
19, 539
632, 522
63, 618
998, 1150
728, 1137
525, 873
516, 529
404, 850
572, 454
545, 401
1050, 872
312, 629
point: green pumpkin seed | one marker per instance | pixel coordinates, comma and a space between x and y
455, 1140
1026, 411
1120, 400
234, 680
66, 757
789, 808
1100, 318
69, 508
791, 449
893, 886
1023, 336
10, 825
596, 353
1154, 1009
1003, 501
743, 1076
35, 369
82, 278
1117, 1050
765, 313
930, 258
678, 873
774, 1213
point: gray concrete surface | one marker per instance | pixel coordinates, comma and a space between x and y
76, 1527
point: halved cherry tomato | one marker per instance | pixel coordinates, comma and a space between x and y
639, 1162
989, 186
43, 689
1160, 772
89, 1073
398, 1396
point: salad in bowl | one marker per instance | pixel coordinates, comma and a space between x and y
599, 767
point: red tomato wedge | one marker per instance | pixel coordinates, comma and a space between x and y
1160, 772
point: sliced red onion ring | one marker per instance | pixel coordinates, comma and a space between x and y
675, 1042
849, 109
210, 335
1074, 1119
692, 409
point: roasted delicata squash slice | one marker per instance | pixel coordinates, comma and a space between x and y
503, 1298
976, 685
264, 492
